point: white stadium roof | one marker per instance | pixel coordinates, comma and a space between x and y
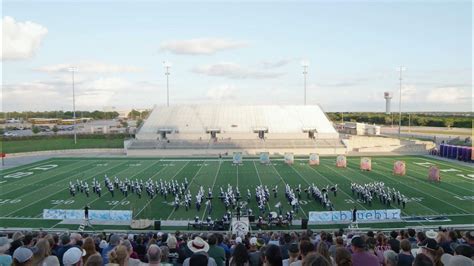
198, 119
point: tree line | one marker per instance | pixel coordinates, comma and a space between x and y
414, 119
96, 115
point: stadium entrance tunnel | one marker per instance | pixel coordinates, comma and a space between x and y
162, 133
213, 132
261, 132
311, 132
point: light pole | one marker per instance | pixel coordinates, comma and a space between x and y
305, 65
401, 69
167, 66
72, 70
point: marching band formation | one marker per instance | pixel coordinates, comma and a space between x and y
231, 196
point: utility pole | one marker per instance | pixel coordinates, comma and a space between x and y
305, 65
400, 104
167, 67
72, 70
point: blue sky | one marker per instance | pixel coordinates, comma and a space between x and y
237, 53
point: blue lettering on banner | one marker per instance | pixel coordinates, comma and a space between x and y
363, 216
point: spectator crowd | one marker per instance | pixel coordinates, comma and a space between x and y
398, 248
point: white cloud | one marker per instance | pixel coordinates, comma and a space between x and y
234, 71
20, 40
269, 64
91, 94
201, 46
222, 93
449, 95
89, 67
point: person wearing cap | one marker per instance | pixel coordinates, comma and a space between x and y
73, 257
216, 252
5, 259
430, 248
293, 253
360, 256
22, 256
113, 242
456, 260
199, 248
254, 252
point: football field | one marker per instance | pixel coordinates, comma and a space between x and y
25, 191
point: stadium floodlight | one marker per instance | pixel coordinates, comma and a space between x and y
305, 65
167, 66
400, 69
72, 70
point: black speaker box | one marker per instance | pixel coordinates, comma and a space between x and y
157, 225
251, 218
304, 223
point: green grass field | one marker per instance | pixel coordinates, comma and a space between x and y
15, 146
22, 199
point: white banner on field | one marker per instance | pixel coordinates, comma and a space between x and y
363, 216
93, 215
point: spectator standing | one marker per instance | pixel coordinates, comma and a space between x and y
394, 242
199, 248
94, 260
293, 252
391, 258
343, 257
129, 248
119, 256
422, 260
153, 255
315, 259
430, 248
254, 252
216, 252
66, 244
305, 248
240, 257
405, 258
322, 249
89, 247
22, 256
5, 259
273, 256
113, 242
360, 257
73, 257
339, 244
42, 255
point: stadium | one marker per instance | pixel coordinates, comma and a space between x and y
241, 154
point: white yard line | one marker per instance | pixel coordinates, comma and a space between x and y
150, 200
189, 186
4, 187
23, 167
450, 177
58, 191
212, 189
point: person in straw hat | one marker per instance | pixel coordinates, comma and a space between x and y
200, 257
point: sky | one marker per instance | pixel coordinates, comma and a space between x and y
239, 52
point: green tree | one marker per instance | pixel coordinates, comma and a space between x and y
139, 122
35, 130
448, 122
55, 129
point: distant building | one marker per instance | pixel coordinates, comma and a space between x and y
355, 128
